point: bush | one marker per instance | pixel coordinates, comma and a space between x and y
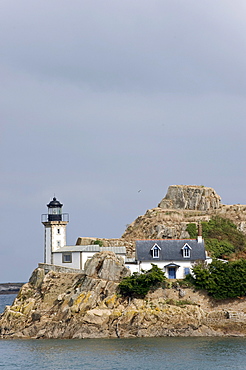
98, 242
219, 249
138, 285
222, 238
221, 279
192, 230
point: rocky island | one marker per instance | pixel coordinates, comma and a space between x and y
88, 305
62, 305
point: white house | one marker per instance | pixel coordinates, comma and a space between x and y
174, 257
76, 256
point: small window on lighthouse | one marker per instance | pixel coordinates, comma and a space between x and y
58, 231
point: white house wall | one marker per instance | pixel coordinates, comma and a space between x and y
78, 259
161, 264
75, 264
132, 267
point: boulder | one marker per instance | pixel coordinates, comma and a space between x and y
37, 278
106, 266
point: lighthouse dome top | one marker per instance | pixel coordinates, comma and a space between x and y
54, 203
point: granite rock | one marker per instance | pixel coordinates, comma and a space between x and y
62, 305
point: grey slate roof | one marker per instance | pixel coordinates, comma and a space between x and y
171, 250
91, 248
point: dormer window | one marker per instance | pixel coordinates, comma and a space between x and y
155, 251
186, 251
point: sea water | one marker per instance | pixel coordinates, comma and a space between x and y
6, 300
123, 354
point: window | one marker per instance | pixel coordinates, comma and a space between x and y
155, 251
186, 251
58, 231
186, 271
66, 257
58, 243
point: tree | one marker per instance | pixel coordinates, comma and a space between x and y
138, 285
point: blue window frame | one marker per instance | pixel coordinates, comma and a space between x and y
186, 271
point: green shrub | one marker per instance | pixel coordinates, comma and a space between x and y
221, 236
219, 249
221, 279
98, 241
138, 285
192, 230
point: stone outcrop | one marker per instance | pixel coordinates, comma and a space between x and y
191, 197
183, 204
60, 305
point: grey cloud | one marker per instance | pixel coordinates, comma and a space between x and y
158, 47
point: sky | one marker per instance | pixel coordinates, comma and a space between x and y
101, 99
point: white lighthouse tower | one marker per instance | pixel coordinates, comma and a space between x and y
55, 223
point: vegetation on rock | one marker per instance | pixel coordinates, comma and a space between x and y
192, 230
222, 238
98, 242
138, 285
221, 279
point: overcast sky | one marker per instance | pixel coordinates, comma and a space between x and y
100, 99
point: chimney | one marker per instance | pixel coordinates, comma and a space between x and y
199, 234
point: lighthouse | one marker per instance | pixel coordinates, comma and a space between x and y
55, 223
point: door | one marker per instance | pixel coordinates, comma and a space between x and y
172, 273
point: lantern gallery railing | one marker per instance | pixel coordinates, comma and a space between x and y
45, 217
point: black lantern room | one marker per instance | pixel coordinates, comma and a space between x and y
54, 210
